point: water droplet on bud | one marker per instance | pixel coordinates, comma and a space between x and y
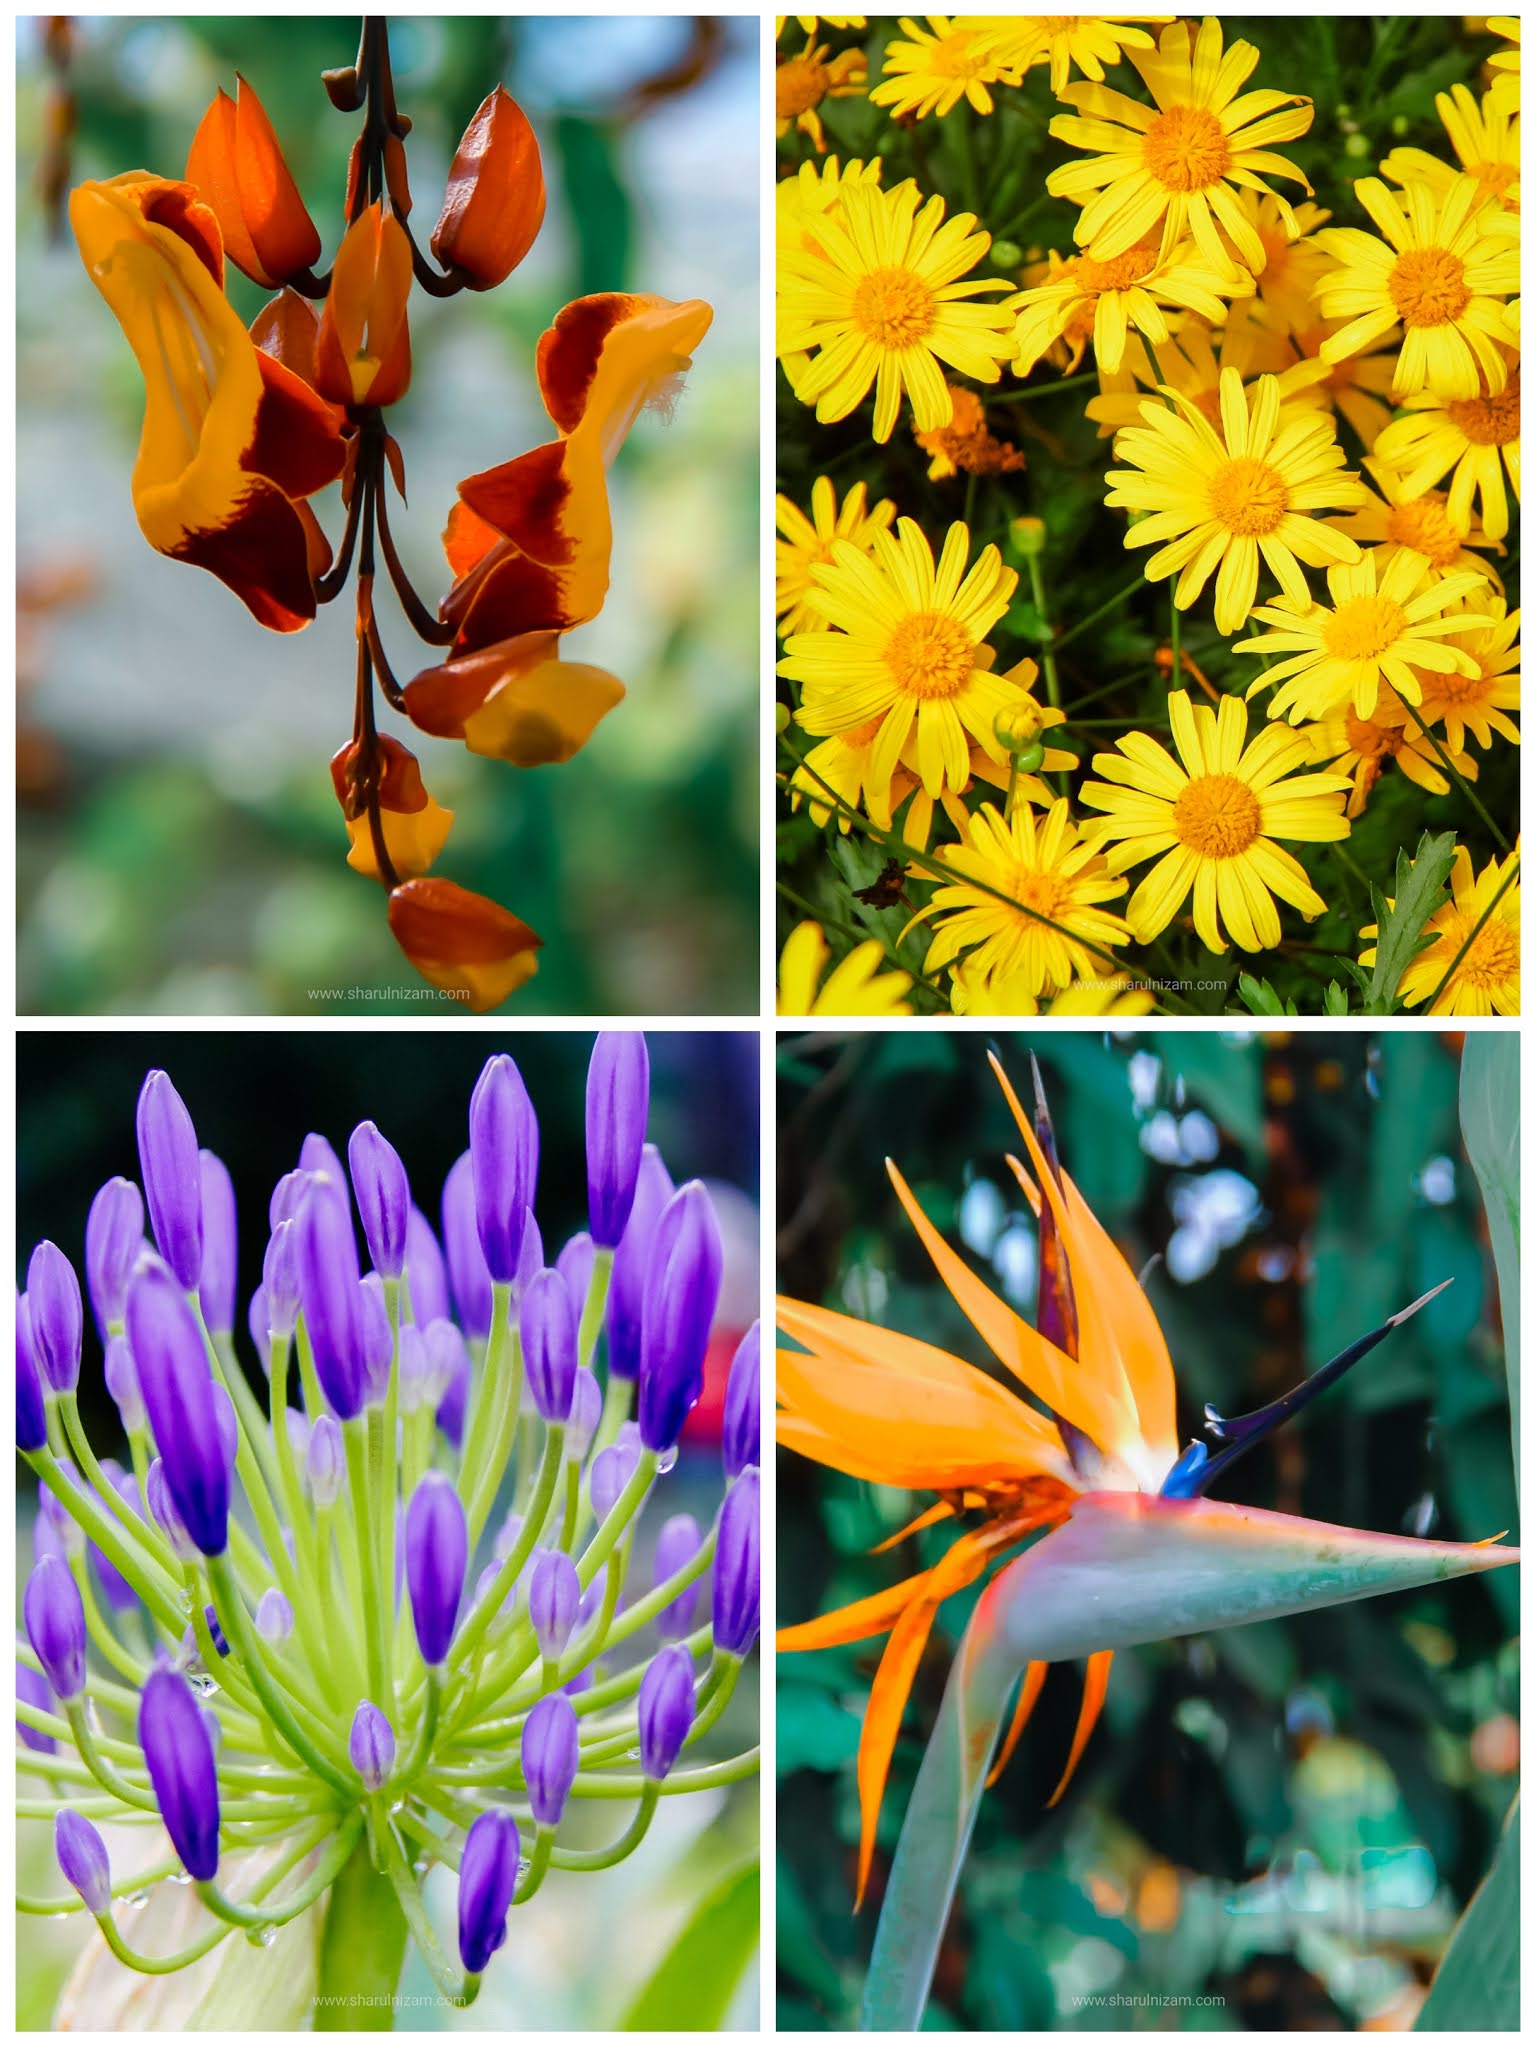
667, 1460
261, 1937
136, 1900
181, 1877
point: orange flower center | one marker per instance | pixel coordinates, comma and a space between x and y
1457, 690
1048, 895
893, 308
1217, 816
1429, 287
929, 656
1489, 422
1120, 272
1186, 149
1363, 628
1372, 742
864, 735
1493, 179
1492, 960
1247, 497
953, 56
799, 85
1424, 525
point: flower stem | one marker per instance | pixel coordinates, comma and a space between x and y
362, 1950
633, 1835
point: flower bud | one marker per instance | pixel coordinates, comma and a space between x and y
363, 349
221, 1245
274, 1617
258, 1328
31, 1409
56, 1533
741, 1429
56, 1315
55, 1618
280, 1280
163, 1509
494, 205
551, 1755
378, 1353
325, 1462
426, 1275
504, 1158
485, 1585
631, 1262
586, 1413
462, 943
330, 1293
665, 1710
178, 1393
114, 1230
371, 1746
182, 1769
215, 1633
549, 1345
554, 1594
120, 1594
237, 165
173, 1177
318, 1157
383, 1197
738, 1569
436, 1558
681, 1295
413, 1369
83, 1859
468, 1274
487, 1880
676, 1545
288, 1196
611, 1471
33, 1689
618, 1103
123, 1384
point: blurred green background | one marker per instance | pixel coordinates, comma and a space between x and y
180, 846
1273, 1828
76, 1093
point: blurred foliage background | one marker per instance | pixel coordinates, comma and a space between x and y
77, 1092
180, 846
1273, 1828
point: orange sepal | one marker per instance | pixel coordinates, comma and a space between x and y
494, 205
238, 167
1095, 1685
288, 330
363, 354
415, 828
514, 701
462, 943
1029, 1692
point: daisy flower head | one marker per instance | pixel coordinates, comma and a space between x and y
967, 443
1505, 64
1183, 161
881, 299
1083, 298
811, 22
906, 644
1471, 967
1421, 524
839, 766
855, 988
1356, 387
802, 82
1477, 706
1211, 819
1474, 440
1487, 145
805, 542
1440, 268
1090, 41
1364, 748
814, 190
1216, 501
1191, 363
1384, 623
934, 69
1028, 912
1293, 261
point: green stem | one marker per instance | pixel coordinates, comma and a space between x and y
355, 1437
596, 1304
630, 1840
320, 1878
1110, 604
362, 1950
242, 1637
538, 1865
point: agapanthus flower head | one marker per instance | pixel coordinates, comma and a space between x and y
325, 1461
330, 1291
122, 1378
738, 1574
33, 1690
554, 1595
469, 1277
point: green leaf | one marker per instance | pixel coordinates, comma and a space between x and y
1262, 999
1335, 1000
1420, 888
691, 1990
1477, 1986
1490, 1130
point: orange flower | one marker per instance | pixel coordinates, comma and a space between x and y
414, 828
494, 205
363, 354
238, 168
516, 701
464, 944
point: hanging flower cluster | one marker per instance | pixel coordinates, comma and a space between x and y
306, 1635
1315, 423
243, 428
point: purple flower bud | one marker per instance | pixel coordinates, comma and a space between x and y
34, 1689
414, 1369
681, 1295
436, 1558
554, 1594
216, 1631
665, 1709
259, 1324
221, 1245
582, 1682
467, 1271
178, 1392
55, 1619
677, 1545
114, 1230
163, 1509
288, 1197
741, 1429
280, 1280
592, 1600
383, 1197
425, 1272
549, 1345
631, 1263
57, 1317
371, 1746
586, 1413
611, 1472
182, 1769
618, 1103
123, 1383
325, 1462
119, 1593
378, 1340
487, 1880
274, 1617
330, 1292
738, 1570
318, 1155
56, 1533
504, 1157
577, 1257
82, 1857
31, 1408
173, 1177
296, 1422
483, 1586
551, 1757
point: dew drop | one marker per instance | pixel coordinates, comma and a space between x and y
184, 1602
632, 1755
181, 1877
136, 1901
261, 1937
202, 1684
667, 1460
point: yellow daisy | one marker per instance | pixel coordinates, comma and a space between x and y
1293, 262
1090, 41
1441, 270
1214, 821
1096, 995
1384, 624
1357, 387
1478, 705
1182, 161
1487, 145
880, 299
1362, 748
1083, 297
810, 22
1217, 501
1421, 523
840, 766
1031, 869
807, 542
1481, 975
1476, 439
934, 69
854, 988
1191, 363
808, 194
801, 83
906, 644
967, 443
1505, 64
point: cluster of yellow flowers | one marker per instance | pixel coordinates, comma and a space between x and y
1231, 329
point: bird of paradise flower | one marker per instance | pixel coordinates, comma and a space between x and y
1133, 1552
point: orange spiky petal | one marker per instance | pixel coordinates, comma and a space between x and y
1029, 1692
1095, 1685
939, 1512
